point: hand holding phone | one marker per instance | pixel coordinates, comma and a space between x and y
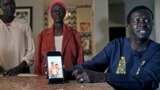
54, 67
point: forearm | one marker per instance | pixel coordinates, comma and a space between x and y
30, 52
29, 57
129, 82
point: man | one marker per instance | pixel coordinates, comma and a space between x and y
59, 37
132, 63
17, 45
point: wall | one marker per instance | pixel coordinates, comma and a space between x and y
84, 14
116, 14
37, 12
157, 20
100, 24
37, 19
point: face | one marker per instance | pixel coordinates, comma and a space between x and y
58, 13
8, 7
141, 24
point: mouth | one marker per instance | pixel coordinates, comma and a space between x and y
142, 31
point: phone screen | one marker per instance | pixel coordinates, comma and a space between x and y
55, 69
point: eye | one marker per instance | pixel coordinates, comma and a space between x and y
147, 20
137, 20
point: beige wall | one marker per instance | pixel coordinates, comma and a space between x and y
100, 24
157, 20
84, 14
37, 19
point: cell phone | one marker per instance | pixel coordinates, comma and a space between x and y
54, 67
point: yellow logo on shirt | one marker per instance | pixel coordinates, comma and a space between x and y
121, 69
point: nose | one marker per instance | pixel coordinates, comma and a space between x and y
142, 23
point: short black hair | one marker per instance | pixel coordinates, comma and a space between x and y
136, 9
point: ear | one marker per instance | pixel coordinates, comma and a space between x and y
128, 26
152, 23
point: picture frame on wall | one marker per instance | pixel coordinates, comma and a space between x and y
24, 13
86, 37
85, 27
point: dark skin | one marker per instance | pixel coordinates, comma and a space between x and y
58, 14
140, 27
8, 8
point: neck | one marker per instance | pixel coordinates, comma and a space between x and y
139, 45
58, 28
7, 19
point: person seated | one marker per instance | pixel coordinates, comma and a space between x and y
130, 63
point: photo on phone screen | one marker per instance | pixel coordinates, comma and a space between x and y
55, 69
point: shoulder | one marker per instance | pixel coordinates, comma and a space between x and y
44, 32
117, 44
119, 41
68, 28
154, 44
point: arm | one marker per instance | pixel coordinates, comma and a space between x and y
147, 79
29, 56
101, 60
129, 82
37, 66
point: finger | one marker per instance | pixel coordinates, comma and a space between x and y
77, 71
64, 66
46, 74
12, 73
83, 78
8, 72
79, 76
86, 79
15, 73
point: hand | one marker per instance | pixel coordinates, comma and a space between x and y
16, 70
87, 76
1, 70
68, 74
46, 72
